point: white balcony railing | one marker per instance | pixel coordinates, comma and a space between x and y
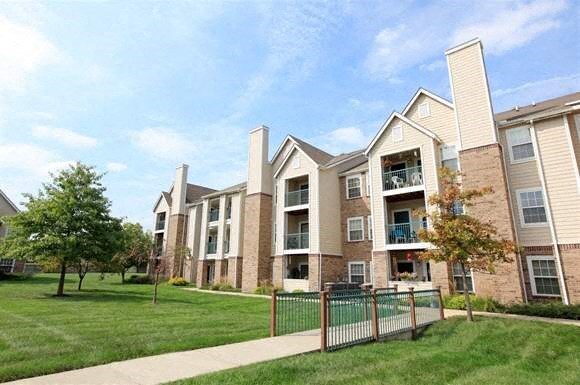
296, 198
211, 247
214, 215
407, 177
405, 232
297, 241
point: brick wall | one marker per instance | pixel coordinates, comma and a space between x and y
257, 240
357, 207
176, 238
483, 166
201, 273
234, 273
441, 276
570, 256
332, 270
277, 270
380, 266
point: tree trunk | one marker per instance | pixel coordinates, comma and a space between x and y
60, 290
466, 294
80, 282
122, 277
155, 289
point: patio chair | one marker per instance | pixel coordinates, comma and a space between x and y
397, 182
416, 178
397, 236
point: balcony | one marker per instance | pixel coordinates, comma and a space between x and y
160, 225
406, 178
405, 233
297, 198
229, 212
226, 246
214, 215
212, 247
298, 241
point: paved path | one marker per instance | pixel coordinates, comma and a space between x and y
175, 366
561, 321
235, 293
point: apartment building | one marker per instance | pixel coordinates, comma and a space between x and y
306, 217
8, 208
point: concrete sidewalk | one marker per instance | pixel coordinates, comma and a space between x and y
175, 366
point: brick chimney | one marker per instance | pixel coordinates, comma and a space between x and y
176, 229
481, 160
257, 248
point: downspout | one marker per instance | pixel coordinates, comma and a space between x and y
320, 269
565, 299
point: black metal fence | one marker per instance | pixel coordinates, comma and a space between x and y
350, 317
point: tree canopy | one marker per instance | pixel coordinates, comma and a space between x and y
134, 249
69, 220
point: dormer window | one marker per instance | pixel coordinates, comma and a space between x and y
424, 110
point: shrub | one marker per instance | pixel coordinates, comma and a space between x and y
457, 301
297, 291
139, 279
546, 309
266, 287
14, 276
177, 281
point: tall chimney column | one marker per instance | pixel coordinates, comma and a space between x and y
177, 227
257, 245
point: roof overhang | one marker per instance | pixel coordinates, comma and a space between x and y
423, 91
10, 203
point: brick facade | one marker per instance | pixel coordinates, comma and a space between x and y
483, 166
257, 240
278, 270
332, 270
201, 273
234, 273
441, 276
570, 256
381, 268
176, 237
360, 251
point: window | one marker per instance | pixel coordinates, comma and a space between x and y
296, 161
356, 272
398, 134
457, 208
532, 210
458, 279
577, 121
160, 223
449, 157
370, 227
520, 144
355, 228
424, 110
353, 188
543, 276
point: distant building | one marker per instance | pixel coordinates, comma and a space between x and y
8, 208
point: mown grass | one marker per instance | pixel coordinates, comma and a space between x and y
489, 351
107, 322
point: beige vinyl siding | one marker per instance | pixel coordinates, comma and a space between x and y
441, 120
410, 204
330, 232
560, 179
575, 135
193, 226
471, 99
281, 156
384, 146
522, 176
237, 224
307, 167
162, 207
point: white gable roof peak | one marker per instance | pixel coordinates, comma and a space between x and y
423, 91
404, 119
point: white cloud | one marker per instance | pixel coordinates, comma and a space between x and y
64, 136
512, 28
535, 91
502, 26
433, 66
116, 167
23, 50
163, 143
31, 159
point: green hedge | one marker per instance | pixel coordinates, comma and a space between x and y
457, 302
546, 309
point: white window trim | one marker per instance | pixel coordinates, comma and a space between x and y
368, 183
355, 176
441, 146
577, 123
428, 112
401, 211
395, 140
510, 150
531, 258
460, 276
362, 221
300, 226
350, 269
370, 227
523, 224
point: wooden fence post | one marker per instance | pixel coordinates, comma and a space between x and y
273, 314
413, 316
374, 315
323, 320
365, 290
441, 307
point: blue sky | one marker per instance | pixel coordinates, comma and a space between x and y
135, 88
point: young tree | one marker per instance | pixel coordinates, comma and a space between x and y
459, 238
135, 248
67, 221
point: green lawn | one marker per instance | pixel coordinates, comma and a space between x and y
107, 321
489, 351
